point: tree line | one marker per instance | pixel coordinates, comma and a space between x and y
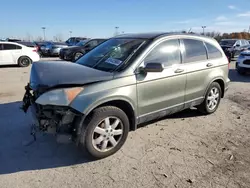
218, 36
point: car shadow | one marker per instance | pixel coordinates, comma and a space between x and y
18, 152
8, 66
234, 76
188, 113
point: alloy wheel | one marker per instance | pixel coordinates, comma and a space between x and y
107, 134
213, 98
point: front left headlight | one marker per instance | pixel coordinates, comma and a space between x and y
241, 56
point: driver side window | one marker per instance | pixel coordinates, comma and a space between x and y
167, 53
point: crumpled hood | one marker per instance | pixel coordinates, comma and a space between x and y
51, 74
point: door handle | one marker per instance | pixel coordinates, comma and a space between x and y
179, 70
209, 65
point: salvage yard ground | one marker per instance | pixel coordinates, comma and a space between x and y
182, 150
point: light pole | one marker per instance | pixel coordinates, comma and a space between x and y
203, 27
44, 28
116, 30
70, 33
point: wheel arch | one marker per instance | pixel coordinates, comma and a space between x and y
123, 104
221, 82
22, 56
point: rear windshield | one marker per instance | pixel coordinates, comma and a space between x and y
228, 42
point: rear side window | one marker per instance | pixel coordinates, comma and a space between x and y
213, 52
167, 53
11, 47
194, 51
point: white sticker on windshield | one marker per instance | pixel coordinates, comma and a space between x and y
113, 61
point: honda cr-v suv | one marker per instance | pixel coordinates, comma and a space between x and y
125, 81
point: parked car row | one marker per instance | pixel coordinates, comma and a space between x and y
123, 82
234, 46
73, 53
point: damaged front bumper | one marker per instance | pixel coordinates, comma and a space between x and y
59, 120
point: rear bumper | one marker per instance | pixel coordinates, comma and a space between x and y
227, 85
35, 57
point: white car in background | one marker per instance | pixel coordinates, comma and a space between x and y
12, 53
243, 62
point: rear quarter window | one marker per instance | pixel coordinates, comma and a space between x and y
212, 51
194, 50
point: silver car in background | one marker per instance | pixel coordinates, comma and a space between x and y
53, 48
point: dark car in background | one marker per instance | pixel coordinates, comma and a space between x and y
53, 48
41, 46
234, 46
72, 41
73, 53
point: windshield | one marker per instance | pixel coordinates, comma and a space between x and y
111, 54
82, 42
227, 42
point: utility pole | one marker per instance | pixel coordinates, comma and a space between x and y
203, 27
44, 28
70, 33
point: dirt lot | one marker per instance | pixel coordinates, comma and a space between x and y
183, 150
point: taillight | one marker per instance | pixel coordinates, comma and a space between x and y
35, 49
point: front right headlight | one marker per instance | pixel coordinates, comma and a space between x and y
61, 97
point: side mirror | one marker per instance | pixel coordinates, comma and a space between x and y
237, 45
153, 67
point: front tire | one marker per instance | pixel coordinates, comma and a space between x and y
104, 132
77, 55
212, 99
24, 61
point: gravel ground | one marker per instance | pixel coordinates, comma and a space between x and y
182, 150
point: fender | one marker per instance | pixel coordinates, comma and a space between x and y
217, 78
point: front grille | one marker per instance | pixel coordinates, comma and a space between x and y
246, 62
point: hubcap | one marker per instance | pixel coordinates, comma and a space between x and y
107, 134
77, 56
25, 61
213, 98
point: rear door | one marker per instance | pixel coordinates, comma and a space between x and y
197, 68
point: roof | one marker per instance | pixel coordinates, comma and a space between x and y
155, 35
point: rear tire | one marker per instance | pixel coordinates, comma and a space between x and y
110, 125
24, 61
212, 99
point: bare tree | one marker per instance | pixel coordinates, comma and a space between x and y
39, 38
28, 37
58, 37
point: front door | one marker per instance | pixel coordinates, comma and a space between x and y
161, 93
